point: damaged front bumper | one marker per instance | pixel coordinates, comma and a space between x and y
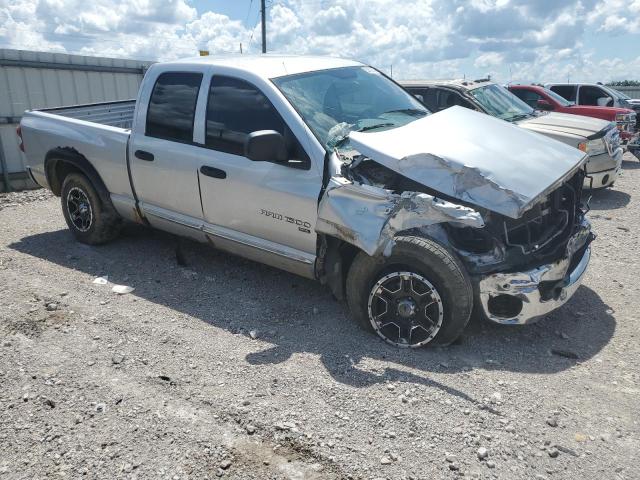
525, 297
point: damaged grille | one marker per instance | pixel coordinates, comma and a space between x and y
550, 220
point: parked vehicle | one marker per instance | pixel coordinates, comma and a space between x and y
543, 99
598, 138
328, 169
601, 95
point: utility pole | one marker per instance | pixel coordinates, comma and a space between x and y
263, 11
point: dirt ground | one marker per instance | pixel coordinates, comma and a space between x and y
227, 368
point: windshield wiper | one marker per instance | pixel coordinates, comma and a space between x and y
521, 116
377, 125
409, 111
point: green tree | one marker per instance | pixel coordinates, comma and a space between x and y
624, 83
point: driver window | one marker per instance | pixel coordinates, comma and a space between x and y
235, 109
593, 96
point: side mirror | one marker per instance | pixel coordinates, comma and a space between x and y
265, 146
419, 97
604, 101
543, 105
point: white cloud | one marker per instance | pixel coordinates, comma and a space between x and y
616, 16
539, 39
489, 60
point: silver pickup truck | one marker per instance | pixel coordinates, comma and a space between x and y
326, 168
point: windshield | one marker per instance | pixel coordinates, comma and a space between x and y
337, 101
501, 103
619, 94
558, 98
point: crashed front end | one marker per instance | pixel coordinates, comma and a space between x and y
525, 249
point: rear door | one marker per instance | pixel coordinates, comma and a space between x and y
269, 203
164, 160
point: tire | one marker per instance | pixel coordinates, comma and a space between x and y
432, 274
91, 220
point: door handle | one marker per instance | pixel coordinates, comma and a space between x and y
146, 156
213, 172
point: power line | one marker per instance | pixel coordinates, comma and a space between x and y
263, 13
253, 31
248, 13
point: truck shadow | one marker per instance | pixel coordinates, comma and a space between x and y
296, 315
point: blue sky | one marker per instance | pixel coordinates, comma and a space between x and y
519, 40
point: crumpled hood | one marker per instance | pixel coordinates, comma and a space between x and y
473, 157
566, 123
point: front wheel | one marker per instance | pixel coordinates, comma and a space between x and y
89, 218
417, 296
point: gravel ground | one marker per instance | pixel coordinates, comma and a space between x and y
227, 368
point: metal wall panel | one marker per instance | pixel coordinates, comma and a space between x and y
34, 80
633, 92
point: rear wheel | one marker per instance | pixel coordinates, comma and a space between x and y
91, 220
417, 296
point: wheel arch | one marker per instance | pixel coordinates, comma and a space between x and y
336, 256
334, 260
61, 161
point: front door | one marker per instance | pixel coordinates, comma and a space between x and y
273, 204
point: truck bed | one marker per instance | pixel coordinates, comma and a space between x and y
98, 132
115, 114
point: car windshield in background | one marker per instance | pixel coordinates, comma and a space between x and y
501, 103
622, 95
337, 101
561, 100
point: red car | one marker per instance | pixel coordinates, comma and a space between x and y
541, 98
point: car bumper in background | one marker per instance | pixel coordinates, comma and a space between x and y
524, 297
603, 170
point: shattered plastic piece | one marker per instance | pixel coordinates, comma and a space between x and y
122, 289
369, 217
338, 133
101, 280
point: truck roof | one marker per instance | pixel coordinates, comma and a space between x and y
271, 66
576, 83
456, 83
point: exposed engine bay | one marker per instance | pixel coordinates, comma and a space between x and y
486, 241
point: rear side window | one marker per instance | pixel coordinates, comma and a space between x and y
237, 108
566, 91
429, 97
172, 106
528, 96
